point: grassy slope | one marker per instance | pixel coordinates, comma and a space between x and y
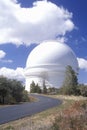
64, 117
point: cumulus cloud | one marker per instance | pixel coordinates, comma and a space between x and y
13, 74
43, 21
82, 63
2, 54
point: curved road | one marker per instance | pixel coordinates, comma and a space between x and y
15, 112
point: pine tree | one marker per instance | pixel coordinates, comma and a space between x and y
70, 84
32, 87
38, 89
44, 87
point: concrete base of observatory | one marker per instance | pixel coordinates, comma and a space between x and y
51, 79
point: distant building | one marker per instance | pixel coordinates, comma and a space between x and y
47, 63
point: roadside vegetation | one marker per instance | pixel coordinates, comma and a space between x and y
12, 91
71, 86
72, 118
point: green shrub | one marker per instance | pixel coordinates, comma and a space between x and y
25, 97
9, 128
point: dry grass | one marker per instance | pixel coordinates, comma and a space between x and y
33, 99
72, 118
3, 105
71, 107
64, 97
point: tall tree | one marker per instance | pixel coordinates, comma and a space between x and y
32, 87
70, 84
12, 91
44, 87
38, 89
16, 90
4, 88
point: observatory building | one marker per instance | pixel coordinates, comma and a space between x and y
47, 63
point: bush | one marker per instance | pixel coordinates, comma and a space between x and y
34, 88
83, 90
10, 100
73, 118
12, 91
25, 97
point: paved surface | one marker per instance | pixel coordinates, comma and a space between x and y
15, 112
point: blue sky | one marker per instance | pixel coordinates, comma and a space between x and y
26, 23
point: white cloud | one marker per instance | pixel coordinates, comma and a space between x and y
13, 74
2, 54
43, 21
5, 61
82, 63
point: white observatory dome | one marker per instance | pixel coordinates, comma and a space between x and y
48, 61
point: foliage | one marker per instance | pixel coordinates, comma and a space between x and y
83, 90
16, 90
44, 88
70, 84
12, 91
73, 118
52, 90
4, 88
9, 128
25, 97
34, 88
38, 90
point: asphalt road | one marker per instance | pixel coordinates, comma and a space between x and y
15, 112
